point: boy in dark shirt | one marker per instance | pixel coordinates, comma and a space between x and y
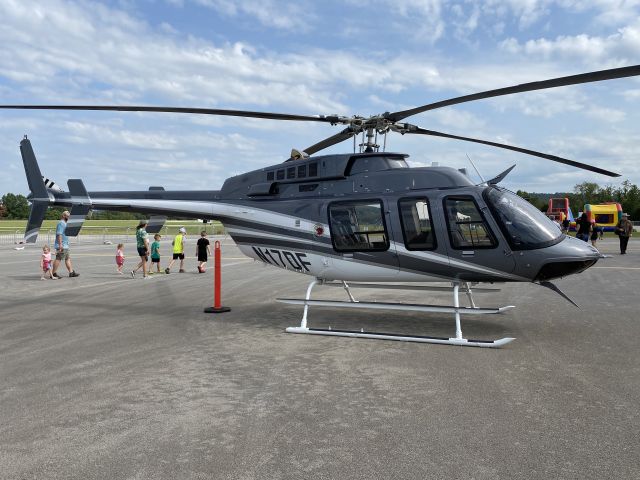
202, 251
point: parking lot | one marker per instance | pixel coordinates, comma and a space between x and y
106, 376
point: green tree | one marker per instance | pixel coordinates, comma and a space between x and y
17, 206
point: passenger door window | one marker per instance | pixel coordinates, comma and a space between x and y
358, 226
417, 225
467, 227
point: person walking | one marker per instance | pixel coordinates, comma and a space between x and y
61, 246
624, 230
142, 243
155, 253
584, 228
202, 251
595, 229
565, 225
178, 250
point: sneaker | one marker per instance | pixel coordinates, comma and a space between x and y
74, 274
150, 273
41, 278
181, 270
55, 275
166, 270
133, 274
144, 277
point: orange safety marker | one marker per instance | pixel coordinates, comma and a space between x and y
217, 282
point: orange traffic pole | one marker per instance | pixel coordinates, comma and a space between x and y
217, 282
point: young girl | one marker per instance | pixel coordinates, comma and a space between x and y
120, 257
45, 263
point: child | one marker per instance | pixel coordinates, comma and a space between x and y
178, 250
120, 257
202, 250
155, 253
45, 263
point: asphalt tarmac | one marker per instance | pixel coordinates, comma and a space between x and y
108, 377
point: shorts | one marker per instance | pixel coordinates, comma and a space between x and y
155, 260
178, 255
202, 257
120, 261
142, 252
64, 255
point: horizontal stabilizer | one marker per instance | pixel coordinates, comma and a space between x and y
36, 217
32, 170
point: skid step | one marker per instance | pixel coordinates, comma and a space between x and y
396, 306
462, 342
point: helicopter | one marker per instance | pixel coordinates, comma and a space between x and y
362, 219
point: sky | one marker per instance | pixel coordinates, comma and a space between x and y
313, 58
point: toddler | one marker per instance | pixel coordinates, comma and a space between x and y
120, 257
45, 264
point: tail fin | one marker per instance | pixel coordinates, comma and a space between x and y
39, 196
79, 210
36, 216
31, 168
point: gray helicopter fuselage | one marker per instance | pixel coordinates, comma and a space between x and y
369, 217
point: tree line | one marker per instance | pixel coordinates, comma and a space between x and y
16, 207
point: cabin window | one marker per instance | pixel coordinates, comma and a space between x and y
417, 225
291, 172
467, 227
280, 175
269, 176
302, 171
313, 169
358, 226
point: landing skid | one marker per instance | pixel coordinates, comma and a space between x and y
458, 340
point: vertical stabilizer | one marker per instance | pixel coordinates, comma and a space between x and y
36, 217
39, 197
80, 208
32, 170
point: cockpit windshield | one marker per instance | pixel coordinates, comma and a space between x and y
524, 225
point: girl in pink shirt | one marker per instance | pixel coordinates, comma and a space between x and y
45, 264
120, 257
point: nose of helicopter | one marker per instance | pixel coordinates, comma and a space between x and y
567, 257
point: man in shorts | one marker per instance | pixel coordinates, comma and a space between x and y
61, 246
178, 250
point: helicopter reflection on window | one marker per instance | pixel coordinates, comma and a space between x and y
416, 224
467, 228
358, 226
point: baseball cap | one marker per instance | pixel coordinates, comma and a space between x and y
182, 230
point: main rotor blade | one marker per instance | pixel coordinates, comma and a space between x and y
525, 87
199, 111
345, 134
526, 151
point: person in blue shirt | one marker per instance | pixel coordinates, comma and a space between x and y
62, 247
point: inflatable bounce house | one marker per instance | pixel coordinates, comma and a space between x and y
559, 210
606, 215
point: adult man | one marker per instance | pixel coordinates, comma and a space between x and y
624, 229
178, 250
62, 247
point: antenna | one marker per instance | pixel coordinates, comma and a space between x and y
484, 182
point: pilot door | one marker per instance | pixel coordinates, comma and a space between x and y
360, 238
476, 249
